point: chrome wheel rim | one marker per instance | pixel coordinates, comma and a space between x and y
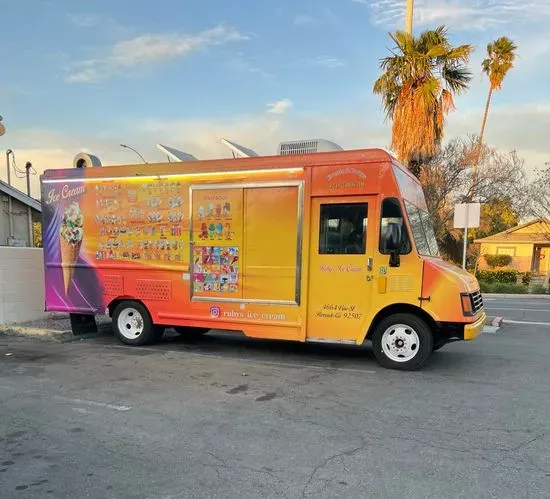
130, 323
400, 343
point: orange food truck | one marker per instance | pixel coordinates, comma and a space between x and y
332, 247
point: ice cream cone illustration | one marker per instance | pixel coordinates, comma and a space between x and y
70, 238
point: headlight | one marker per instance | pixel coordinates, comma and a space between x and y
467, 308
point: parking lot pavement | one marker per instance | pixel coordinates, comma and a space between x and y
225, 416
519, 309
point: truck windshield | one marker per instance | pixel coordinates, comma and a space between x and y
422, 230
415, 204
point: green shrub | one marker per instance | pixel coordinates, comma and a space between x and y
538, 289
498, 260
526, 278
485, 287
507, 288
501, 276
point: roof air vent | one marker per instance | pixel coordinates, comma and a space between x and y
307, 146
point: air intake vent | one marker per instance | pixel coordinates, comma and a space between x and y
307, 146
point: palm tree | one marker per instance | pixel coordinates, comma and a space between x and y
418, 84
501, 55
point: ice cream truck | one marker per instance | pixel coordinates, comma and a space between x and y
308, 245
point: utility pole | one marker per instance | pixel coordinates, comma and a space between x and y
10, 208
409, 17
28, 168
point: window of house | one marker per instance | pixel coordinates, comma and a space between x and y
506, 251
343, 229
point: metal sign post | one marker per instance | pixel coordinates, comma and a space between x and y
467, 216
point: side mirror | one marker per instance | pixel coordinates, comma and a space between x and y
393, 242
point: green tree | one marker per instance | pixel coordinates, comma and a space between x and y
501, 55
497, 215
418, 84
37, 234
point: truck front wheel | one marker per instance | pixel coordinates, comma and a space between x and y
402, 341
133, 325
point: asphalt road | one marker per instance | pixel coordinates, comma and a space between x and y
520, 309
231, 417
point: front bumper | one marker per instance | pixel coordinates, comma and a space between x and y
472, 331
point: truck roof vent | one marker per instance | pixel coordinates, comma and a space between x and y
307, 146
86, 160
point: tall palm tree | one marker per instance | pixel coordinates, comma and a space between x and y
501, 55
418, 84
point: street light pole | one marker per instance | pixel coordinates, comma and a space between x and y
132, 149
409, 17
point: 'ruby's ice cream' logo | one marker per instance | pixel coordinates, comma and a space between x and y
71, 234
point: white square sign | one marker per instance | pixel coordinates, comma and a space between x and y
467, 215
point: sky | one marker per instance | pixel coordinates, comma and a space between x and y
88, 76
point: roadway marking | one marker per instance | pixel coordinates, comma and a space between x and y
530, 323
522, 309
93, 403
490, 329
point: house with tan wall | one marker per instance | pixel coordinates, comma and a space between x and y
527, 244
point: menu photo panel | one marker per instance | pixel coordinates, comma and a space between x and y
139, 221
218, 236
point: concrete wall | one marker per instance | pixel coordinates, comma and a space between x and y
522, 255
21, 285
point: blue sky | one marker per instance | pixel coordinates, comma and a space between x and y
88, 75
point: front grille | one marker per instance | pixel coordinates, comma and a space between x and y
477, 301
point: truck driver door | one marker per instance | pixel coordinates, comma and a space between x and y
343, 241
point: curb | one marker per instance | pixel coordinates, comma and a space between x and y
48, 334
524, 296
497, 321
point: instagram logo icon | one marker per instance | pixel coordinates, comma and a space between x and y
215, 312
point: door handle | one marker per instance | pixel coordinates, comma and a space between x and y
369, 264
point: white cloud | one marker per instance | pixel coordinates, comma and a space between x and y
83, 20
325, 16
147, 49
303, 19
327, 62
279, 107
243, 64
101, 26
460, 14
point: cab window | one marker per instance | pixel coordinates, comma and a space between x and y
343, 229
391, 213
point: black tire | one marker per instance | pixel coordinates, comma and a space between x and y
124, 314
191, 332
419, 351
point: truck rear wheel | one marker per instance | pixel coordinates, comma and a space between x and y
133, 325
402, 341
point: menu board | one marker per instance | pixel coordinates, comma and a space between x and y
140, 221
217, 234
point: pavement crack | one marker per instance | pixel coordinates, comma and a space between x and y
316, 469
284, 415
528, 442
